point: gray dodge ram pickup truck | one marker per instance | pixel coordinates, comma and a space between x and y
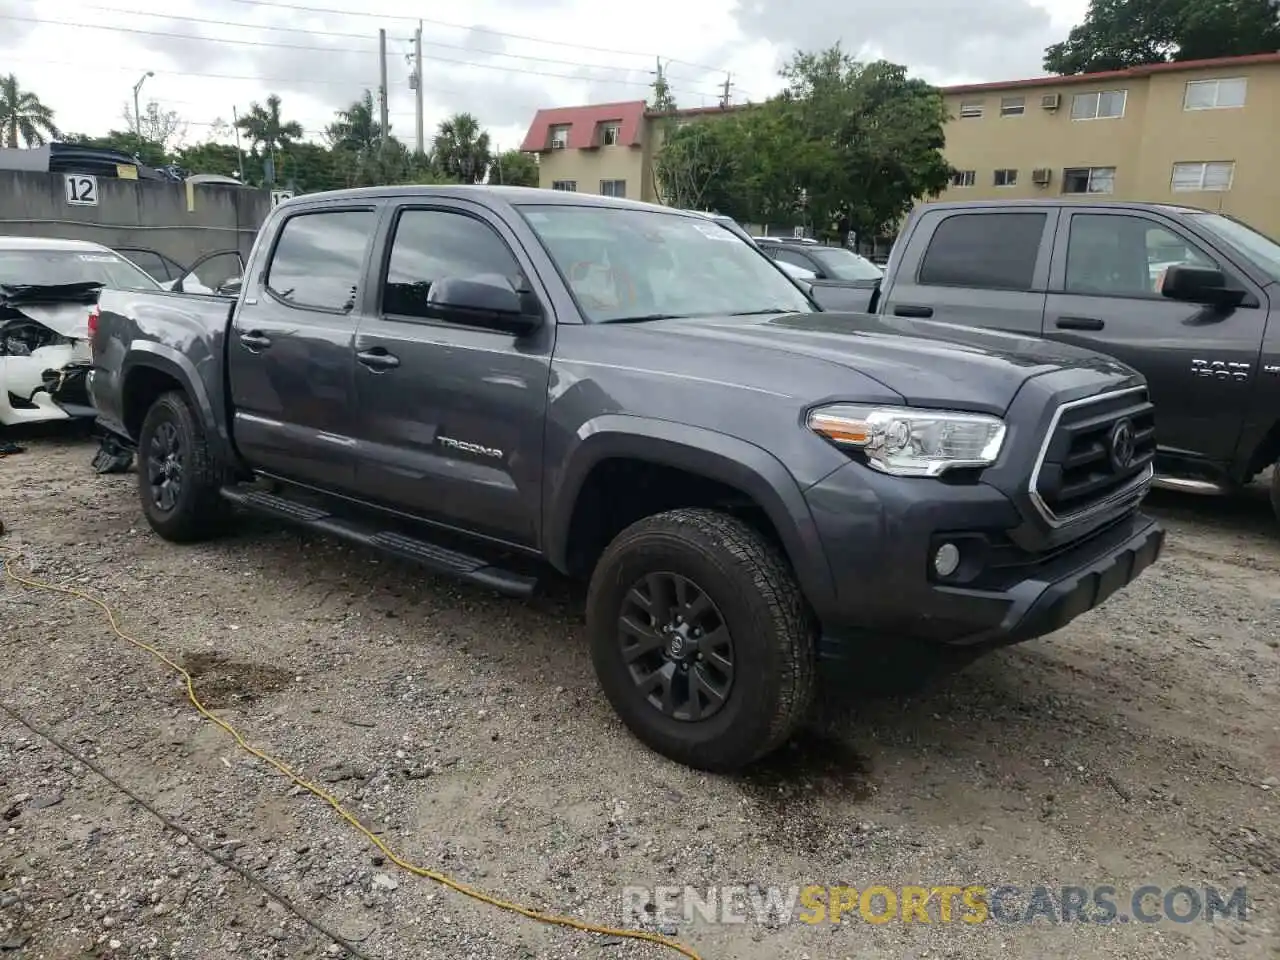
493, 380
1188, 297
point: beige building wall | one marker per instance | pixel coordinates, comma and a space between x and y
1155, 133
588, 168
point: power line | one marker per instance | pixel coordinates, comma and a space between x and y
314, 49
349, 35
304, 8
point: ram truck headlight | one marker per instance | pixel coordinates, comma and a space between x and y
912, 443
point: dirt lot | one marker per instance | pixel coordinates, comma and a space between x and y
1139, 746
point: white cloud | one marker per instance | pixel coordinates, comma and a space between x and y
220, 55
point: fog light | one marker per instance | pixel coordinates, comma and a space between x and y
946, 560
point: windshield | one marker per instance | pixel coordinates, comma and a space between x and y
844, 264
72, 266
626, 264
1258, 247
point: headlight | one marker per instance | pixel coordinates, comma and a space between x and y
912, 443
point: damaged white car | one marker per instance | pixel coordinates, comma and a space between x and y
46, 290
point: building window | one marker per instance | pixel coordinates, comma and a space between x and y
613, 188
560, 136
963, 178
1089, 180
1212, 175
1104, 105
569, 185
1006, 178
971, 108
1215, 94
611, 134
1013, 106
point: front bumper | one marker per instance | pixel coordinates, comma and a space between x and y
879, 534
49, 384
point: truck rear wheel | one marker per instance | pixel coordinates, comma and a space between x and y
178, 477
701, 638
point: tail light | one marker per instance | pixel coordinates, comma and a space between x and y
93, 323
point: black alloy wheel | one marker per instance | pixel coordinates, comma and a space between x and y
164, 466
677, 647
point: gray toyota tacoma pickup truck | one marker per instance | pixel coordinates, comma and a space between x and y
496, 381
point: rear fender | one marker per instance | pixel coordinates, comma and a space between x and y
144, 355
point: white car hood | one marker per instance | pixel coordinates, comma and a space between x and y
70, 320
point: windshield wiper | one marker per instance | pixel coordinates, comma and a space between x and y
642, 318
759, 313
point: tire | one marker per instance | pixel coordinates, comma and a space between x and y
752, 595
194, 510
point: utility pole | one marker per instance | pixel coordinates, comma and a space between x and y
137, 114
382, 87
728, 82
235, 124
417, 74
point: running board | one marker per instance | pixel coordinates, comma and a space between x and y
441, 560
1187, 486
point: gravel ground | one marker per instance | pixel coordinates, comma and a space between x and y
1141, 745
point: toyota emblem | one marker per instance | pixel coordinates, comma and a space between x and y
1123, 444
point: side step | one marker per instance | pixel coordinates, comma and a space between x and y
442, 560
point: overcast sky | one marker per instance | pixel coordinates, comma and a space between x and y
499, 59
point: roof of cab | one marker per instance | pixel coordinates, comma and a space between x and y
481, 192
51, 243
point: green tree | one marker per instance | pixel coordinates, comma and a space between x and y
268, 133
356, 128
23, 117
515, 168
461, 148
873, 139
210, 157
1116, 34
844, 140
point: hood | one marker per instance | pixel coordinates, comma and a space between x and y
929, 363
70, 320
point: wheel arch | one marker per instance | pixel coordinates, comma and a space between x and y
705, 456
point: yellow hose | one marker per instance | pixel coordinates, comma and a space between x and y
538, 915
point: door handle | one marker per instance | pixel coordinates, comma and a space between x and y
255, 340
378, 359
911, 310
1080, 323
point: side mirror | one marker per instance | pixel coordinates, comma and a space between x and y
487, 301
230, 287
1199, 285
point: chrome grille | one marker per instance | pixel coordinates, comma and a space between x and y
1098, 452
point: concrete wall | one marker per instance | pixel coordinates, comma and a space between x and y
181, 221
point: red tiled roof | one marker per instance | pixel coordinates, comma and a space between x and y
583, 123
1109, 75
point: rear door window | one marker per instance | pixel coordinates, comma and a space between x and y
318, 261
994, 251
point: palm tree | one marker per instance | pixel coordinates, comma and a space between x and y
264, 128
461, 148
356, 128
23, 115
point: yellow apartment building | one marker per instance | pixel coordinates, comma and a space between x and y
1204, 133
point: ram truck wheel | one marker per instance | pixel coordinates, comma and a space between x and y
178, 478
701, 638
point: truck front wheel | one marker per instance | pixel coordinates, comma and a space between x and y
701, 638
178, 477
